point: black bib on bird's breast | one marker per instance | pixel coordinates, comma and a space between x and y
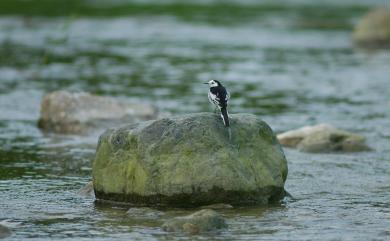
221, 93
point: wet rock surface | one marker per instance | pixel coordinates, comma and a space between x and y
373, 30
144, 213
323, 138
205, 220
4, 231
189, 160
218, 206
78, 112
87, 190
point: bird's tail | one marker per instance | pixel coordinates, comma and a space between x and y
225, 116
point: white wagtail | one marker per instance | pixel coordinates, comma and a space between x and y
219, 96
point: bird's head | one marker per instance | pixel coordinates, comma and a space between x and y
213, 83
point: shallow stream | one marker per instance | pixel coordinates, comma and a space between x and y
291, 62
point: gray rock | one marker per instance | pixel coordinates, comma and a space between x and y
202, 221
218, 206
4, 231
190, 161
374, 29
323, 138
144, 213
76, 113
87, 190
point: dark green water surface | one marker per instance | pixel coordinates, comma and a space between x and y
291, 62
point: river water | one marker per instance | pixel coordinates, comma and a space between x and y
291, 62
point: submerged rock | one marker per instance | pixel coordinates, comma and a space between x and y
201, 221
75, 113
218, 206
4, 231
87, 190
374, 28
144, 213
323, 138
190, 161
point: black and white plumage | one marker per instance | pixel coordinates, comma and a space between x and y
219, 96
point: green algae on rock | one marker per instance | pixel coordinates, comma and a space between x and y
189, 160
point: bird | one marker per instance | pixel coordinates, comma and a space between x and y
219, 96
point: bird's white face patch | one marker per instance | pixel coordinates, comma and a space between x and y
212, 83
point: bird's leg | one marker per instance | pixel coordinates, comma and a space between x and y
216, 110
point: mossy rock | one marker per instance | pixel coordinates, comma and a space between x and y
190, 160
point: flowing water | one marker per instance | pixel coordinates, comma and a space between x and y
291, 62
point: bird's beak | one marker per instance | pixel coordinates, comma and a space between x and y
206, 83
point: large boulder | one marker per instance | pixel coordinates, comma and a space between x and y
201, 221
323, 138
374, 28
190, 160
76, 113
